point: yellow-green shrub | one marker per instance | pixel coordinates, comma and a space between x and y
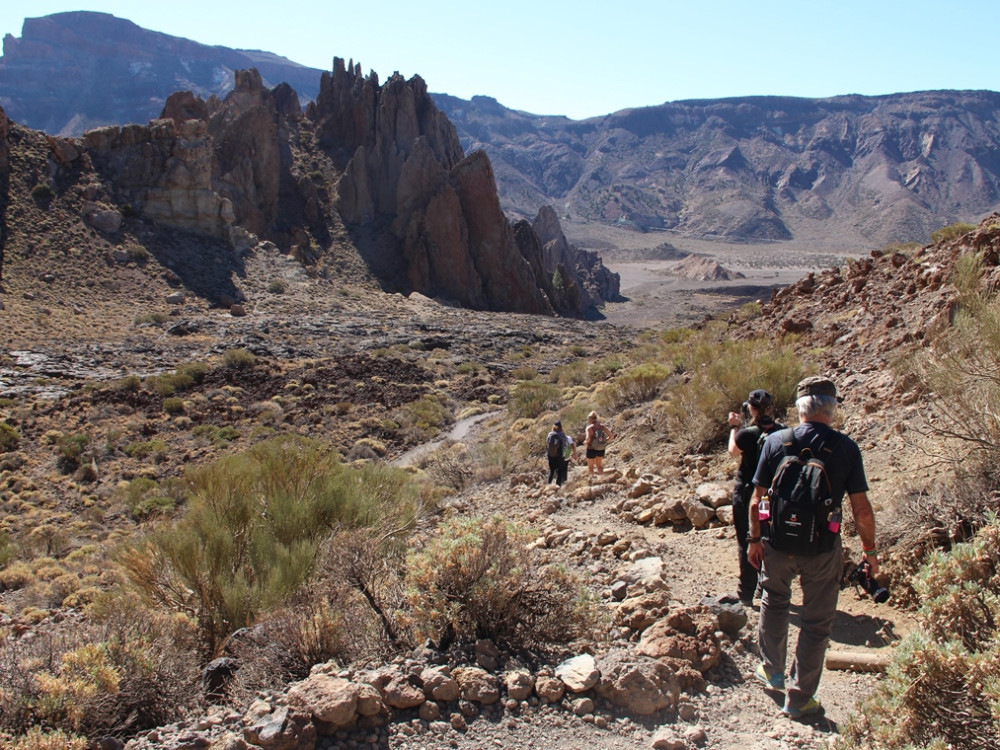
943, 686
252, 528
529, 398
478, 579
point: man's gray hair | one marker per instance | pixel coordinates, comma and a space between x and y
811, 406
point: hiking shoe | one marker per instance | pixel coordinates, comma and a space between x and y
811, 706
770, 681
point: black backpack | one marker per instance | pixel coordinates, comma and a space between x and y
554, 445
804, 520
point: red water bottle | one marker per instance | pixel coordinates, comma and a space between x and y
764, 508
833, 521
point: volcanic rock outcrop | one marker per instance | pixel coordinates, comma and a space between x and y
375, 167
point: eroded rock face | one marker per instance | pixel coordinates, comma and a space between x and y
164, 170
404, 167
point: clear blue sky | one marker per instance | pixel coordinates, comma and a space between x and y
586, 58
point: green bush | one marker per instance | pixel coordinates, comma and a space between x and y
239, 359
951, 232
252, 528
479, 579
529, 398
43, 192
720, 373
128, 383
173, 405
9, 437
123, 667
71, 448
277, 286
943, 687
145, 498
144, 449
150, 319
636, 385
424, 418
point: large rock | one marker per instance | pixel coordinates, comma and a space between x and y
332, 700
579, 673
439, 684
282, 729
688, 635
638, 683
478, 685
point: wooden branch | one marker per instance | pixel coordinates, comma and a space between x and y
858, 661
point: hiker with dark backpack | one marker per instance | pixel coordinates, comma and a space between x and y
596, 440
795, 519
745, 444
559, 447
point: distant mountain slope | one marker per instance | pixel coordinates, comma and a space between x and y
887, 168
69, 72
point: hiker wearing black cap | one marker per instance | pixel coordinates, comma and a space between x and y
559, 448
783, 553
744, 444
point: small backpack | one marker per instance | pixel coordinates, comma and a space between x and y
599, 440
554, 445
804, 520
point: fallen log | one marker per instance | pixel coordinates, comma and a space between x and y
857, 661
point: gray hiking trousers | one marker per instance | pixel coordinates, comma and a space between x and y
820, 580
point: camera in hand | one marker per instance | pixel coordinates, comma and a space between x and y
862, 576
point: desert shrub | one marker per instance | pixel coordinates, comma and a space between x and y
124, 670
252, 528
525, 373
478, 579
150, 319
636, 385
9, 437
720, 375
128, 383
43, 192
451, 465
578, 372
173, 405
951, 232
17, 576
144, 497
37, 738
145, 448
226, 434
277, 286
71, 449
423, 418
961, 367
238, 359
8, 550
943, 687
529, 398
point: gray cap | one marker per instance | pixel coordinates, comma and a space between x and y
818, 385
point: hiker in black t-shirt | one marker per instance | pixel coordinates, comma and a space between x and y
745, 444
559, 457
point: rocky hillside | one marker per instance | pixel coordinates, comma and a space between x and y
886, 169
96, 69
347, 191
